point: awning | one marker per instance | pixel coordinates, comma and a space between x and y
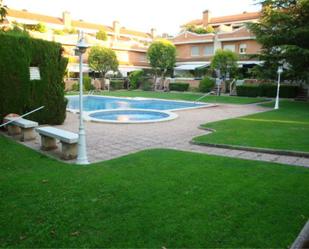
74, 68
243, 63
189, 67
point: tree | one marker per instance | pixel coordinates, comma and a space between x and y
162, 57
41, 27
3, 12
283, 32
225, 61
102, 60
101, 35
199, 30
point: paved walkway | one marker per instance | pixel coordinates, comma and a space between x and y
108, 141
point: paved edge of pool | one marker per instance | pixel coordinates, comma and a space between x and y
171, 116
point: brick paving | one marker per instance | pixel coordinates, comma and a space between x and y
108, 141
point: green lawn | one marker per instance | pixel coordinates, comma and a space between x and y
283, 129
183, 96
153, 199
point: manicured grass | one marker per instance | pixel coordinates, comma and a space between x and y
283, 129
151, 199
183, 96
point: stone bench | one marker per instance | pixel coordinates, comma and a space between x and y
68, 140
22, 126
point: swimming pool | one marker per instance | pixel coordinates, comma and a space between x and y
130, 116
93, 103
129, 110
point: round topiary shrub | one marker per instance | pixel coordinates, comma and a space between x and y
206, 84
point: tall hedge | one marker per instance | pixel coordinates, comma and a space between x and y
18, 93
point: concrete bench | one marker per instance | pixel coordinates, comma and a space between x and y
22, 126
68, 140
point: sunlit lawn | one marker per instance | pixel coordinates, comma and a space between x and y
283, 129
151, 199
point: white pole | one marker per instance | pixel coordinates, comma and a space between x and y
278, 88
82, 153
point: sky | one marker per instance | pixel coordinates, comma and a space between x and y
164, 15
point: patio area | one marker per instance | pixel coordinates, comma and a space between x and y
108, 141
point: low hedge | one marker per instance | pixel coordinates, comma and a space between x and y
117, 84
267, 90
206, 84
179, 86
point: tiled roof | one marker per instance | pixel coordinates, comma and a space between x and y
135, 33
77, 24
228, 19
32, 16
87, 25
236, 18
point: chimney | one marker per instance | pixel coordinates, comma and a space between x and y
116, 28
67, 21
154, 33
206, 18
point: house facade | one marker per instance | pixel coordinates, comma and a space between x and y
193, 50
196, 50
129, 45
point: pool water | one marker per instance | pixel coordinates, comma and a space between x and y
129, 110
92, 103
130, 116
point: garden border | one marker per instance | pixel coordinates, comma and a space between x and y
252, 149
302, 239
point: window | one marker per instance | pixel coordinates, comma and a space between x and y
122, 56
243, 48
209, 50
142, 58
195, 51
230, 47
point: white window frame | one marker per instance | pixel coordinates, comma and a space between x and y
198, 51
229, 46
242, 48
212, 52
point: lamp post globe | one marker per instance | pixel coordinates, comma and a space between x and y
82, 158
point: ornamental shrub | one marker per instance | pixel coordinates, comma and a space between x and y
136, 78
117, 84
147, 85
206, 84
87, 86
18, 93
178, 86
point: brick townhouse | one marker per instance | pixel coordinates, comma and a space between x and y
193, 50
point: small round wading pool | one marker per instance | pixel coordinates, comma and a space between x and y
130, 116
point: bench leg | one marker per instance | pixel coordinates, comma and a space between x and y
14, 130
27, 134
48, 143
69, 151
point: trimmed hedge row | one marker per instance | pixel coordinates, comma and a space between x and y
179, 86
267, 90
117, 84
18, 93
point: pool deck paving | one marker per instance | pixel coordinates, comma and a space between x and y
108, 141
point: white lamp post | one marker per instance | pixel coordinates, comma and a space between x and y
82, 159
280, 71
